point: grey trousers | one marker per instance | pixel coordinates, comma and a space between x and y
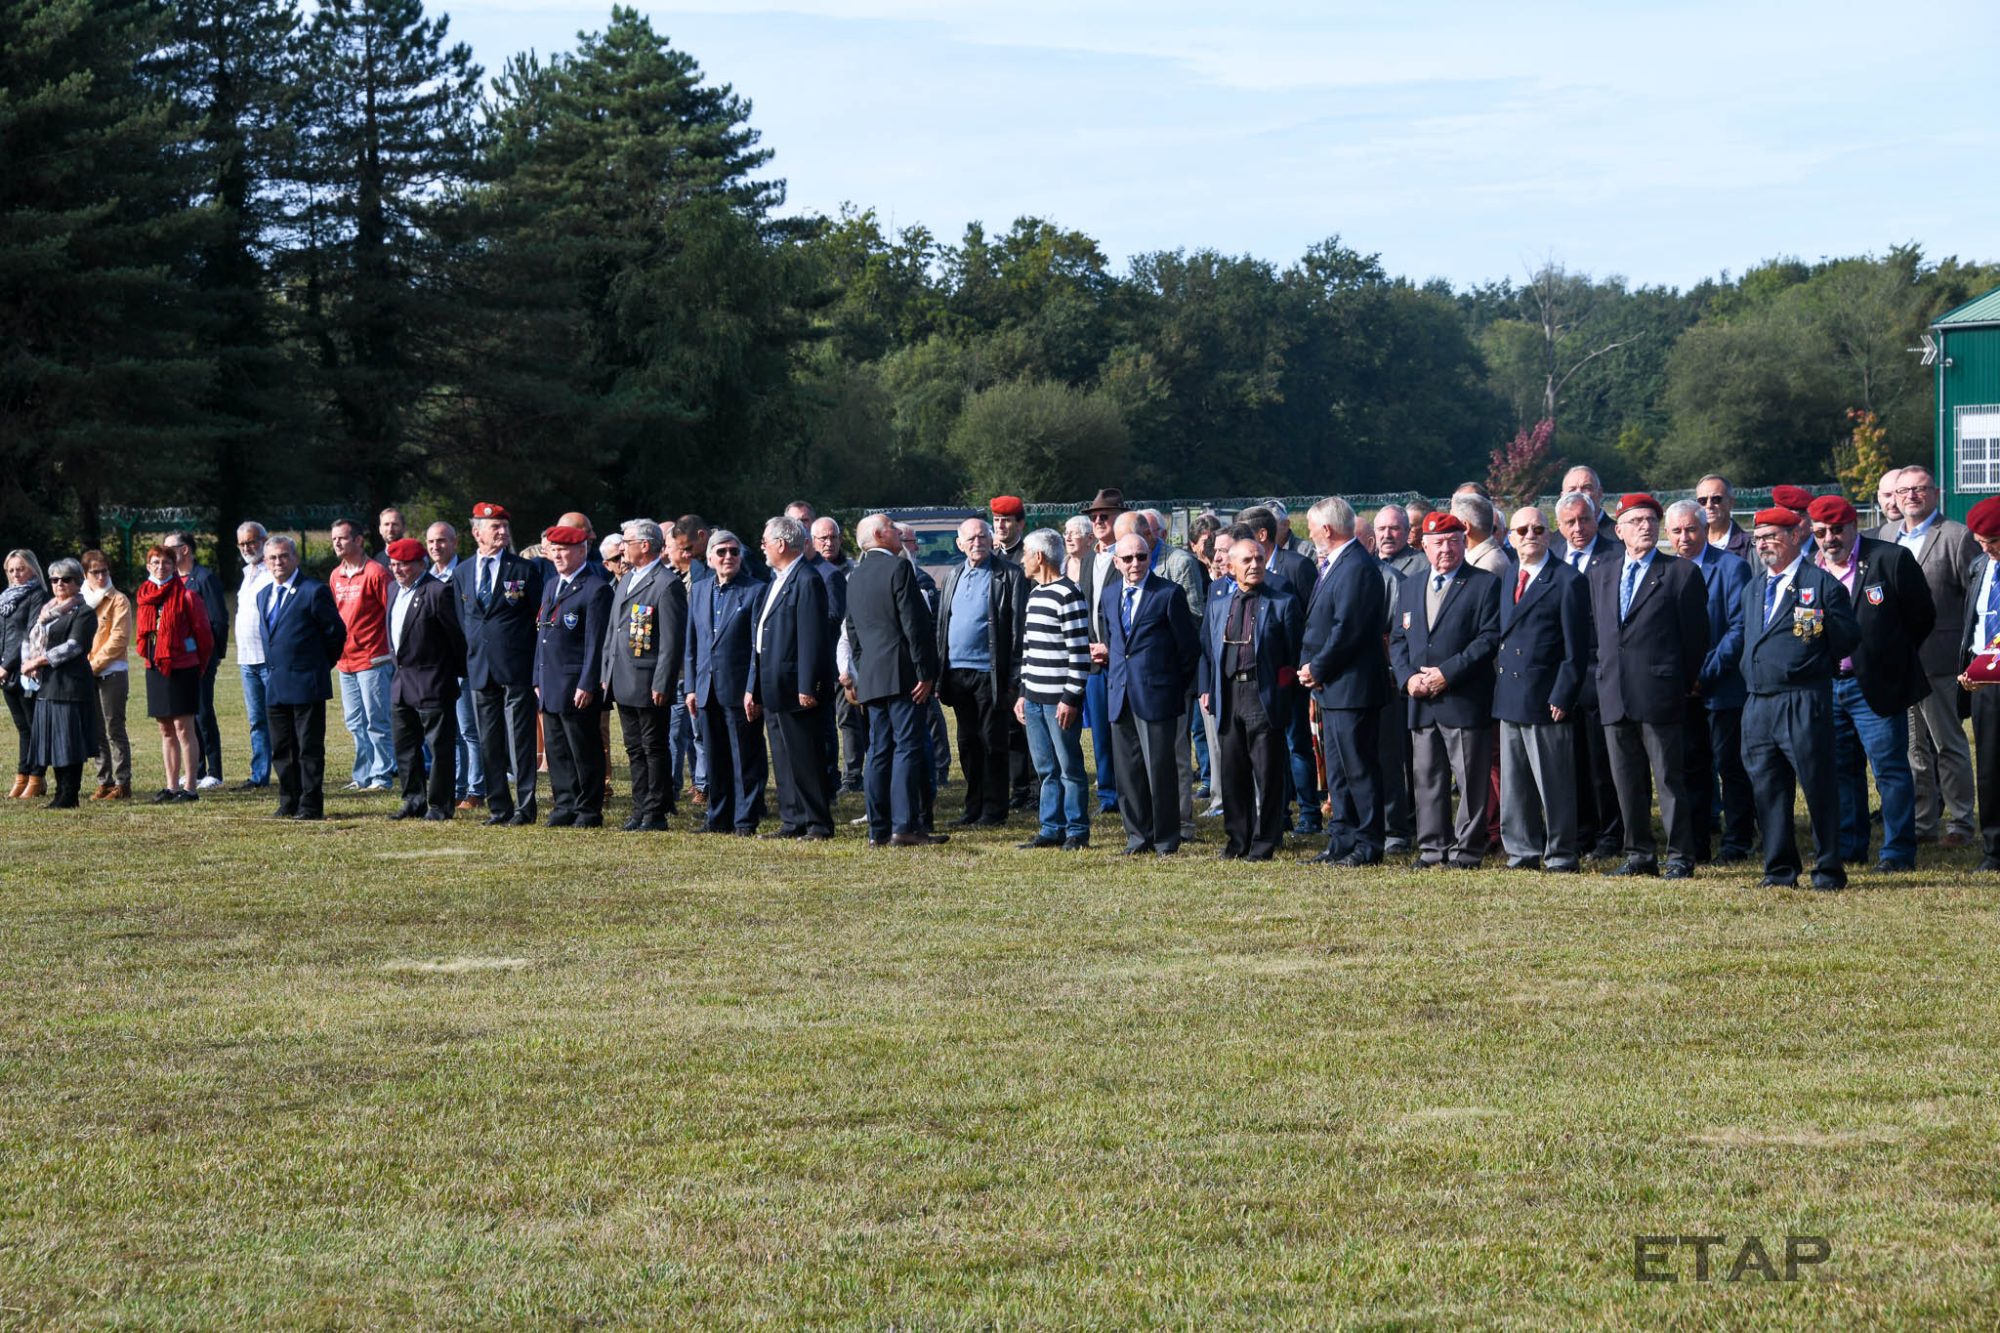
1940, 760
114, 747
1184, 766
1437, 756
1538, 792
1214, 749
1644, 754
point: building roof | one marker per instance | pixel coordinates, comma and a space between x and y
1980, 310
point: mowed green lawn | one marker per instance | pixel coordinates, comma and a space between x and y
375, 1074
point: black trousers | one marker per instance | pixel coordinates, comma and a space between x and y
1351, 740
1788, 746
804, 801
982, 742
413, 728
648, 733
1645, 759
737, 767
506, 716
206, 730
1250, 772
1739, 801
1394, 781
1986, 770
21, 707
1026, 784
851, 721
1599, 830
298, 757
1149, 781
574, 743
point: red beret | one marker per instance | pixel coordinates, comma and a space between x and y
487, 509
1777, 518
1791, 497
1832, 509
1442, 520
406, 548
1008, 506
563, 536
1984, 519
1638, 500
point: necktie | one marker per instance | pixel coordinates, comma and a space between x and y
1576, 559
277, 605
1771, 595
1131, 602
1992, 605
1437, 582
485, 579
1627, 588
1521, 583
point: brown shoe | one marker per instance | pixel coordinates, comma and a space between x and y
472, 803
34, 789
699, 797
121, 792
20, 785
1954, 840
103, 790
919, 839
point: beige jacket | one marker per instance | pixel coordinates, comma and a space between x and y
114, 632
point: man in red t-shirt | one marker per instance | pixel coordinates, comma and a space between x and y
360, 590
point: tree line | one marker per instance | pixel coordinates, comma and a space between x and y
253, 254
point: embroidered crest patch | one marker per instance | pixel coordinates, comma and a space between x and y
569, 620
1873, 593
1806, 596
1406, 620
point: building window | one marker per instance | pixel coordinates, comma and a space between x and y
1978, 451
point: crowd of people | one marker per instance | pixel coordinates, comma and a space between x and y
1454, 683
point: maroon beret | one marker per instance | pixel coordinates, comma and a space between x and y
1638, 500
406, 549
1777, 518
1791, 497
1984, 520
564, 536
487, 509
1832, 509
1442, 520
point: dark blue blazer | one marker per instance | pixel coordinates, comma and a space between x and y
1544, 646
834, 578
797, 655
1280, 625
500, 636
1775, 658
1648, 665
431, 658
1150, 669
1462, 646
1288, 572
1721, 671
722, 622
301, 648
1343, 642
569, 641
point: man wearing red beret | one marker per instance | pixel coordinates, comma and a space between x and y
569, 674
1797, 628
1980, 633
1650, 615
427, 639
1875, 687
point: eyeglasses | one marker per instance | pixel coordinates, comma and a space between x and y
1911, 490
1533, 530
61, 578
1127, 559
1706, 500
726, 552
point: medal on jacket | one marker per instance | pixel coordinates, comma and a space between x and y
1808, 622
513, 589
639, 629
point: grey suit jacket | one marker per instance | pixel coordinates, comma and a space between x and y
642, 651
1946, 557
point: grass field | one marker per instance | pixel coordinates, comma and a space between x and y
374, 1074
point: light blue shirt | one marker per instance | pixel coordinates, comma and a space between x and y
1913, 540
970, 643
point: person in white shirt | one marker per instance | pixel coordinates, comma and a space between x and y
249, 633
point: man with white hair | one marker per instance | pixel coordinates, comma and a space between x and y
469, 773
1483, 549
643, 659
979, 648
1345, 663
249, 632
791, 679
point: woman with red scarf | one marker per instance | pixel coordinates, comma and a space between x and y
176, 643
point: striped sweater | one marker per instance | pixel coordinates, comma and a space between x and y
1055, 644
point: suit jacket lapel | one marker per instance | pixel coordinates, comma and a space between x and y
1655, 574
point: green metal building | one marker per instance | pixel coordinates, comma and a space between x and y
1967, 360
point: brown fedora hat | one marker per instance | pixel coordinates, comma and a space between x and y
1109, 498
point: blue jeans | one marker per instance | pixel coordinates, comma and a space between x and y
1097, 716
1860, 732
471, 771
364, 707
259, 715
1058, 755
686, 749
1198, 738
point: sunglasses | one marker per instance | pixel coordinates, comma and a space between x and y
1127, 559
726, 552
1711, 500
1534, 530
61, 578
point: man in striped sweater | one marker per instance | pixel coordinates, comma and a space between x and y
1055, 662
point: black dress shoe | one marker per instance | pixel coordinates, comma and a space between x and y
1464, 863
816, 835
1228, 854
560, 819
521, 818
1989, 863
507, 818
164, 796
1561, 868
406, 812
1779, 882
1166, 848
1140, 850
587, 821
1257, 856
1076, 844
1638, 865
1828, 884
650, 826
744, 832
778, 833
1891, 867
1429, 862
965, 821
1730, 858
310, 816
1325, 858
990, 821
1036, 843
631, 825
1677, 870
1525, 863
1357, 859
918, 839
247, 785
438, 816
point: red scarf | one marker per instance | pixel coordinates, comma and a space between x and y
163, 621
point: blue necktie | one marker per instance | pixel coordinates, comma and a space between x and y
1992, 605
1131, 602
1627, 588
275, 607
485, 580
1771, 595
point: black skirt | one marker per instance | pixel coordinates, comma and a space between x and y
63, 734
175, 695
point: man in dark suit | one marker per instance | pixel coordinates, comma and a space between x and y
499, 597
1587, 542
303, 637
1100, 575
722, 618
979, 659
1249, 643
1441, 650
1399, 560
892, 640
1538, 676
792, 684
1797, 628
1344, 661
834, 576
569, 675
645, 642
1874, 690
427, 640
1712, 735
937, 739
1979, 631
1649, 613
1290, 573
1149, 654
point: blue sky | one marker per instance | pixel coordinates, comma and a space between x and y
1665, 142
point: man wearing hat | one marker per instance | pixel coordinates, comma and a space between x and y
498, 598
427, 640
1649, 614
1981, 631
569, 674
1874, 689
1441, 648
1797, 499
1099, 569
1797, 628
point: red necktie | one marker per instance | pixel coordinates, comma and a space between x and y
1520, 585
